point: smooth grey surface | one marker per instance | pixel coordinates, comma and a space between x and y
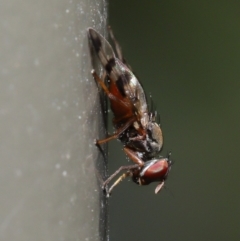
49, 116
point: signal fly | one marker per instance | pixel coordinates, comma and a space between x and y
135, 125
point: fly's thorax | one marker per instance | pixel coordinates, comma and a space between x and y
145, 119
154, 136
149, 143
136, 125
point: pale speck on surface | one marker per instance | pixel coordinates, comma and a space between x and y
68, 156
55, 25
77, 54
18, 173
67, 11
81, 11
73, 199
90, 146
64, 103
79, 117
57, 166
36, 62
64, 173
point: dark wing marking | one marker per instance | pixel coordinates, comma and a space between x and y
103, 50
118, 48
118, 72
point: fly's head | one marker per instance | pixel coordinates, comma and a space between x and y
155, 170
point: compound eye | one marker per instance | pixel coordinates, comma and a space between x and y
156, 170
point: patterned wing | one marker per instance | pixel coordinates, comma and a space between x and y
118, 72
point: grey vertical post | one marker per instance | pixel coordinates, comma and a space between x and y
50, 170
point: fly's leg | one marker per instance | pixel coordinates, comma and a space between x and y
128, 173
121, 178
139, 164
102, 84
115, 135
133, 156
106, 90
112, 97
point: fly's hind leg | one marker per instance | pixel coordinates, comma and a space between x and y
113, 98
104, 87
102, 84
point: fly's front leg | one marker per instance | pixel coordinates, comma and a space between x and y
128, 173
133, 156
121, 178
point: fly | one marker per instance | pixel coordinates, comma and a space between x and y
135, 126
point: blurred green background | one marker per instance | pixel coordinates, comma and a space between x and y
187, 55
